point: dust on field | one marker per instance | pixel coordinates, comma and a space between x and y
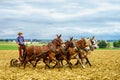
105, 66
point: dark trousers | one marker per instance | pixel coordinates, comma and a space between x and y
22, 51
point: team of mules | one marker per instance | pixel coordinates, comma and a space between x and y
57, 51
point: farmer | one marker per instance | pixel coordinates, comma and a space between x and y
21, 47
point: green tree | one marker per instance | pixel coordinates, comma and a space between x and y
116, 44
102, 44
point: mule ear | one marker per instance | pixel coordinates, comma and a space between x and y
93, 37
71, 38
60, 35
57, 35
82, 38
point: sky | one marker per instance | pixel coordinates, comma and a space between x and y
43, 19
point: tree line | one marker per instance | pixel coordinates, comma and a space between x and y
105, 44
101, 43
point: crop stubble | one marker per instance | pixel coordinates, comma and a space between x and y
105, 66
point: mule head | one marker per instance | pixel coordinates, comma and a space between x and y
94, 43
58, 41
71, 38
81, 43
69, 43
91, 44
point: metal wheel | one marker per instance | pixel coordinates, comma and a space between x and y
15, 63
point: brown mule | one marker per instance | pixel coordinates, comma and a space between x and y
74, 51
70, 50
91, 45
59, 45
36, 53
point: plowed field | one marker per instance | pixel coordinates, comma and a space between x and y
105, 66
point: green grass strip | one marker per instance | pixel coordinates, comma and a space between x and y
8, 47
14, 46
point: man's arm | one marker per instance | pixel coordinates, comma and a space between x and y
17, 41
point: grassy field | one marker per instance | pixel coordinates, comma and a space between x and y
105, 66
13, 46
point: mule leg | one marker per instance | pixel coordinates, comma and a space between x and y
31, 62
77, 62
25, 62
46, 63
36, 63
44, 60
83, 66
81, 63
61, 62
57, 62
68, 57
77, 57
24, 56
88, 61
80, 59
55, 65
47, 66
70, 64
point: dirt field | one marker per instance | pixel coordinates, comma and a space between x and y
105, 66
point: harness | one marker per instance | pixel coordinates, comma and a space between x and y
42, 49
34, 49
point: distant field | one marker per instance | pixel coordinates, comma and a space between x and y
108, 49
8, 47
105, 66
13, 46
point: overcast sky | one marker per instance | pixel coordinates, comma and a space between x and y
43, 19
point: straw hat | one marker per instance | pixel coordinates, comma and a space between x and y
19, 33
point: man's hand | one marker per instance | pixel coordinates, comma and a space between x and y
19, 46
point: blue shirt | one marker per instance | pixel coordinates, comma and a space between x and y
20, 40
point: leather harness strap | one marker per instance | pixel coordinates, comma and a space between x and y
42, 49
34, 49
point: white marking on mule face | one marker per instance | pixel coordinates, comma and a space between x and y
75, 48
87, 48
63, 45
95, 46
